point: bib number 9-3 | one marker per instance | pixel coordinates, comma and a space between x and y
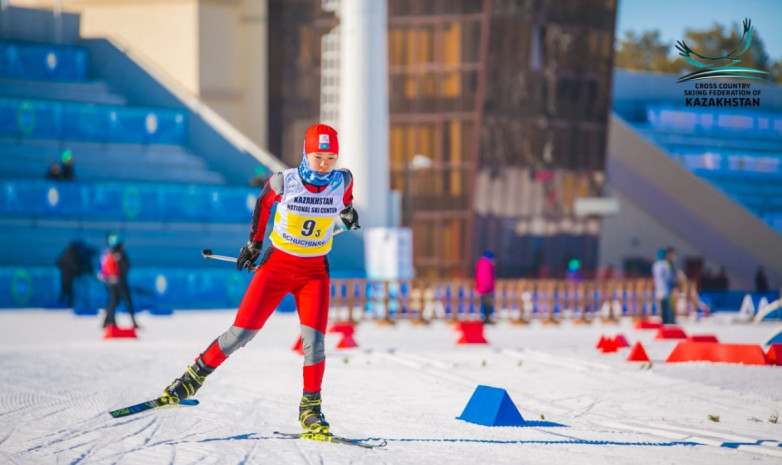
308, 227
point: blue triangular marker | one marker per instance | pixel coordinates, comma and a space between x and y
490, 406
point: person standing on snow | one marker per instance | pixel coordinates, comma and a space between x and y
665, 278
309, 198
484, 284
68, 263
114, 267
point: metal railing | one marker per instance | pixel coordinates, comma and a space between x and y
519, 301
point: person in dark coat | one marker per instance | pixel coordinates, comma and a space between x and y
124, 267
761, 281
70, 267
67, 167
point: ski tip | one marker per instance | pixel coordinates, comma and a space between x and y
206, 252
188, 402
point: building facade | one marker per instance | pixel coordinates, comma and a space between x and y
509, 101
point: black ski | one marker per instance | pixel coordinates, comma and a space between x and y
160, 402
320, 437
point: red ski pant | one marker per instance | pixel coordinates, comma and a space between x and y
280, 273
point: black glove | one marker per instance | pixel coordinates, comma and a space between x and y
248, 254
349, 216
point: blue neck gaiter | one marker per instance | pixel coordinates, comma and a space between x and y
310, 176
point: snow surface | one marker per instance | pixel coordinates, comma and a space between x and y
405, 383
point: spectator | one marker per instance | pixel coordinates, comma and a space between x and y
68, 263
761, 281
86, 256
261, 176
707, 280
608, 272
63, 171
54, 172
574, 270
124, 267
484, 284
114, 268
664, 274
721, 282
67, 169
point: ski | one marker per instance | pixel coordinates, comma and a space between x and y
160, 402
320, 437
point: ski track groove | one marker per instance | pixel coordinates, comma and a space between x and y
628, 379
465, 380
28, 400
152, 422
152, 434
660, 380
248, 455
9, 433
86, 453
674, 386
432, 371
9, 459
64, 435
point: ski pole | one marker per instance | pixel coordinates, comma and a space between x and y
207, 253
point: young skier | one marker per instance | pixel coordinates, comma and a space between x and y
309, 198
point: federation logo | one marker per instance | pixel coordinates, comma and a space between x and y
323, 141
722, 66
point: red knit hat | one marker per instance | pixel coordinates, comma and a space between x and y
321, 138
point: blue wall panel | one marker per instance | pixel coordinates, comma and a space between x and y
25, 60
41, 119
126, 201
159, 290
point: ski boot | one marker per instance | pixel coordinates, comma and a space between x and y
310, 416
186, 385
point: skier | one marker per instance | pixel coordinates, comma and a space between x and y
309, 199
114, 270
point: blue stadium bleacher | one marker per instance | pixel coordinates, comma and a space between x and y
738, 152
27, 60
87, 91
138, 172
96, 161
135, 174
116, 201
59, 120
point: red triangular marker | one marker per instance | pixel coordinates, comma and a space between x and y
638, 354
610, 346
115, 332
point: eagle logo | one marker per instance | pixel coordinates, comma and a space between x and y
721, 66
